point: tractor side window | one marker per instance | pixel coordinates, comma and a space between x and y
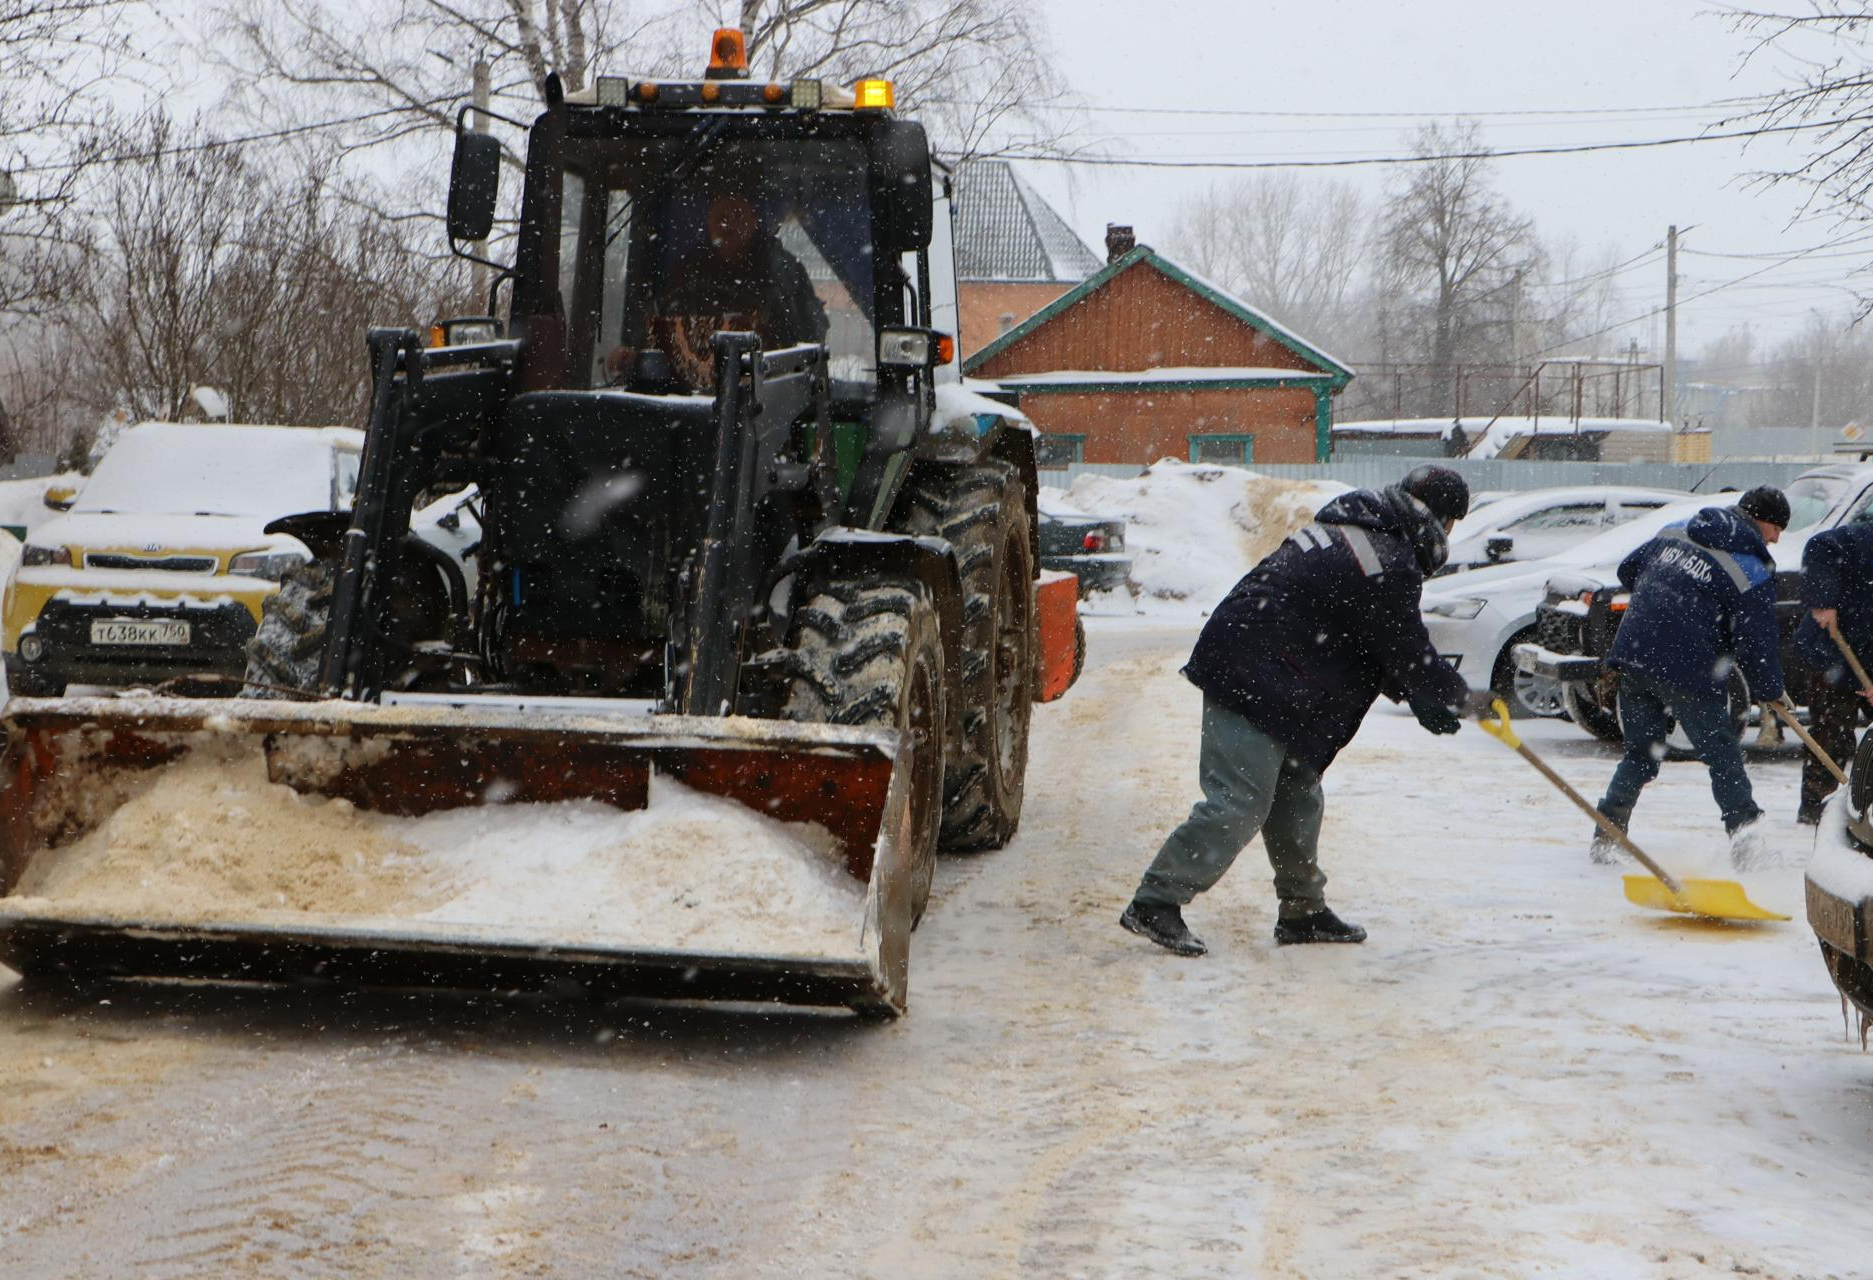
571, 220
344, 479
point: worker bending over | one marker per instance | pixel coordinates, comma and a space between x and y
1703, 605
1289, 664
1836, 596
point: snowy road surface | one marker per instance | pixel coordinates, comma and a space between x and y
1519, 1075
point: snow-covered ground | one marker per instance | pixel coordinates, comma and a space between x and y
1520, 1074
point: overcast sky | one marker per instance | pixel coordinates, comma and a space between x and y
1449, 58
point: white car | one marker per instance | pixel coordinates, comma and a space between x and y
1545, 522
1476, 618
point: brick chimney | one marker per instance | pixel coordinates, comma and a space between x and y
1119, 241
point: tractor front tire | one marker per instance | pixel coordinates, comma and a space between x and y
286, 651
981, 511
873, 655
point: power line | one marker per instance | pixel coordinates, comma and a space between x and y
1502, 153
1637, 260
267, 135
1716, 288
1749, 100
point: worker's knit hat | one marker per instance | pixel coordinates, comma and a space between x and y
1765, 503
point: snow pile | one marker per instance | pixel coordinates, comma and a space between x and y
963, 406
211, 839
1840, 867
1192, 530
23, 502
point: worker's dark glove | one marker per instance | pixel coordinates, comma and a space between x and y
1437, 717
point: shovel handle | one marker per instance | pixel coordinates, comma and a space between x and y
1788, 718
1847, 652
1501, 731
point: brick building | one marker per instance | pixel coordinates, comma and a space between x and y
1014, 254
1145, 360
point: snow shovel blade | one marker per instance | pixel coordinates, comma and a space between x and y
1713, 899
70, 764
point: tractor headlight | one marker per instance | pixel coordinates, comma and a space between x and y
1462, 608
31, 556
272, 565
905, 348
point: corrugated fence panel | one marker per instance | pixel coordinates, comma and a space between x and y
1373, 473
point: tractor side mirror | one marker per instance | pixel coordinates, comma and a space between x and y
1498, 549
474, 185
59, 497
900, 184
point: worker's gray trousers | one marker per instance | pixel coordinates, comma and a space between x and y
1250, 783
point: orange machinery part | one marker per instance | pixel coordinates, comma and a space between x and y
1056, 610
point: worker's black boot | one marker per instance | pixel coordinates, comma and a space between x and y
1605, 850
1163, 923
1321, 926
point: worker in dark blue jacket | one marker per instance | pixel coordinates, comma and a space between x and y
1703, 605
1289, 664
1836, 594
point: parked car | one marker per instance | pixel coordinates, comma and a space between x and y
159, 567
1542, 522
1477, 618
1091, 547
1581, 608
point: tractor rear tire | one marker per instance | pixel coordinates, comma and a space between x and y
873, 655
981, 511
286, 651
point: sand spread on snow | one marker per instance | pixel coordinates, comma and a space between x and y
210, 839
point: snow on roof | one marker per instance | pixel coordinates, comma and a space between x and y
1496, 438
165, 468
1146, 377
1006, 232
1496, 432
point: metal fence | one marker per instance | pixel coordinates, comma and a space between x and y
1372, 473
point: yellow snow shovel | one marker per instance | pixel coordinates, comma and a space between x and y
1712, 899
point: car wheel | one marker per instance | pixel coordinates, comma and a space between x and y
1529, 696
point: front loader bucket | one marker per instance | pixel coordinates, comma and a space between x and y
477, 842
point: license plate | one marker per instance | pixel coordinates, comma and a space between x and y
138, 631
1833, 920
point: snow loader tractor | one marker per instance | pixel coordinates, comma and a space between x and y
745, 573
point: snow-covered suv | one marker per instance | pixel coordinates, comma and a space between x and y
160, 565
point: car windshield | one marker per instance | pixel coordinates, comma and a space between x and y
219, 471
664, 241
1616, 543
1812, 497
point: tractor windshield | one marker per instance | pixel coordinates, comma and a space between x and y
664, 241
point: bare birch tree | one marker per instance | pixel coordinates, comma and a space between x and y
57, 58
210, 268
1450, 250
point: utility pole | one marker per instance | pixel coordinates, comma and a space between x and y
1670, 389
478, 122
1814, 405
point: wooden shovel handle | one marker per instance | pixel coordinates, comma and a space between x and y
1847, 651
1788, 718
1605, 823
